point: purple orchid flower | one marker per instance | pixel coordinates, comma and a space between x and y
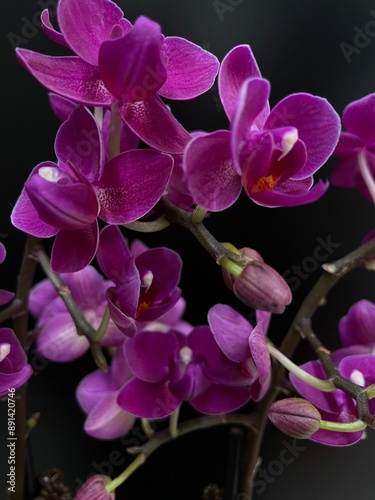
5, 295
66, 198
356, 327
97, 395
356, 148
118, 61
171, 367
244, 344
14, 368
57, 338
62, 108
337, 406
271, 154
145, 286
356, 362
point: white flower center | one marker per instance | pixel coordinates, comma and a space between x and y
156, 326
357, 378
4, 351
147, 280
289, 140
51, 174
186, 355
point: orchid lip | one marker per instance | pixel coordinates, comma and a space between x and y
288, 141
186, 355
4, 351
357, 378
51, 174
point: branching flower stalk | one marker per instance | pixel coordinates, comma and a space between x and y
21, 328
331, 275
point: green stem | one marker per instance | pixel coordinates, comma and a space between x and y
82, 325
331, 275
148, 226
370, 391
173, 423
114, 132
99, 334
137, 462
322, 385
185, 219
356, 426
162, 437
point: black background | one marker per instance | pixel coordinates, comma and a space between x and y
298, 45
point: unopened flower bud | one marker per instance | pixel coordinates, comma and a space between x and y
295, 417
94, 489
260, 286
249, 254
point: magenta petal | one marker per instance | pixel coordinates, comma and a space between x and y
279, 199
231, 332
50, 31
116, 260
252, 99
14, 380
160, 308
70, 77
73, 250
17, 355
125, 323
78, 142
41, 295
85, 27
64, 205
317, 123
3, 252
209, 171
191, 70
261, 358
191, 384
327, 401
131, 66
336, 438
149, 354
362, 363
348, 144
254, 160
164, 263
61, 106
141, 117
6, 297
357, 326
88, 288
237, 66
345, 172
131, 184
219, 399
107, 420
147, 400
25, 217
59, 340
359, 116
91, 388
